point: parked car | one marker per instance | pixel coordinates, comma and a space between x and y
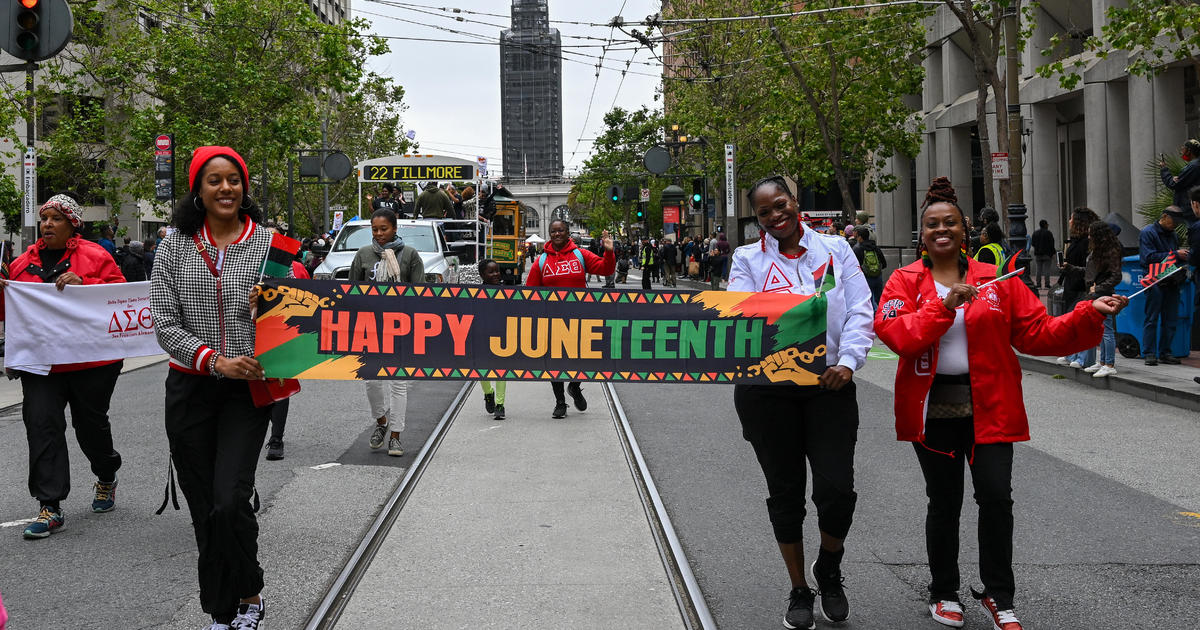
425, 236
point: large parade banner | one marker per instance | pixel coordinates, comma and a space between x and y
328, 329
95, 322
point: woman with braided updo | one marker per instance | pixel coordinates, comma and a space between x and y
958, 392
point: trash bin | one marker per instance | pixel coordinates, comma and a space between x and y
1132, 320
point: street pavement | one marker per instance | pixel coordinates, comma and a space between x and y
1107, 509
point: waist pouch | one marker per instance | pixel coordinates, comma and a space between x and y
950, 397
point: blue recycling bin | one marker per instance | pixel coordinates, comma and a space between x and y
1132, 321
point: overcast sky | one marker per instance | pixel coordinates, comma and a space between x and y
453, 92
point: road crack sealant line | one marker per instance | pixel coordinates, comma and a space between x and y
330, 609
692, 607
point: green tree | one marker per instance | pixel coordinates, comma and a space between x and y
617, 159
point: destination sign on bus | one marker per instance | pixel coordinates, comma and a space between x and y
398, 172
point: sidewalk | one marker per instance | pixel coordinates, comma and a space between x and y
10, 391
1167, 384
529, 522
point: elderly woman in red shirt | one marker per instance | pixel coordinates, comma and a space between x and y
60, 256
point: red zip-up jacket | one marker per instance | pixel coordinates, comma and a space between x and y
912, 319
562, 268
88, 260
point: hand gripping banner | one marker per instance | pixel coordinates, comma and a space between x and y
328, 329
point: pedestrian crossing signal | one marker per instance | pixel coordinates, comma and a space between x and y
641, 214
614, 193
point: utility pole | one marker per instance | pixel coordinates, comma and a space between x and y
1018, 233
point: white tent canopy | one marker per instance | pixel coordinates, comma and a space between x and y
534, 238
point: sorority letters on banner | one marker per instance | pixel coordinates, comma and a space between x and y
81, 323
328, 329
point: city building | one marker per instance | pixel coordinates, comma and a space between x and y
1086, 146
531, 95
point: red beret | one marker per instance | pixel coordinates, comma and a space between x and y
202, 155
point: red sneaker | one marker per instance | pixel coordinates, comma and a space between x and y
1001, 619
947, 612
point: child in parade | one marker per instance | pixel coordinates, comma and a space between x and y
788, 424
958, 392
493, 391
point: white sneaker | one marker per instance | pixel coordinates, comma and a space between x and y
947, 613
1062, 361
1091, 369
1076, 364
1105, 371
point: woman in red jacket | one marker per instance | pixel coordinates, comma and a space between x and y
564, 264
958, 392
61, 257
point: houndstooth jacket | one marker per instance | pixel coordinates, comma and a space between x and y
191, 318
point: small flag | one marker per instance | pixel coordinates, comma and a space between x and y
824, 277
1158, 271
1009, 266
279, 258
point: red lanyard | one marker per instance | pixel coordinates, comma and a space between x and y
212, 267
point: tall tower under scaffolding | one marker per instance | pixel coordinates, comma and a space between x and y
531, 94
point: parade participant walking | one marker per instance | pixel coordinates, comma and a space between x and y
200, 295
564, 264
958, 393
386, 259
493, 391
787, 424
60, 256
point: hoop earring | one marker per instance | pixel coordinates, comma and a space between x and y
247, 202
196, 204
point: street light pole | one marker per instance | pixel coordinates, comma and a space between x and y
1018, 233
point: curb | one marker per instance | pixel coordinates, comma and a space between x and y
1134, 387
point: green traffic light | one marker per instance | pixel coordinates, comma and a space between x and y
696, 197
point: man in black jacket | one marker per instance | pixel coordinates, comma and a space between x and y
1043, 251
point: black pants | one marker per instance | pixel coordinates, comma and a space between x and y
279, 413
88, 392
787, 424
991, 474
557, 386
215, 432
645, 279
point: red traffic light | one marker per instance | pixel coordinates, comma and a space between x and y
29, 4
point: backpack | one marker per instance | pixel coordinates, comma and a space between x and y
872, 267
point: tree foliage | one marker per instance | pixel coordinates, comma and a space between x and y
818, 96
257, 75
617, 160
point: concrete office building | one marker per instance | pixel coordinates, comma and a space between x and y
531, 95
1088, 146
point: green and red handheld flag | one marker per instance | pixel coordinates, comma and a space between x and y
279, 257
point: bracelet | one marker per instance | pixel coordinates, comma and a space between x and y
212, 365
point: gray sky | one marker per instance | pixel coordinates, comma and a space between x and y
453, 90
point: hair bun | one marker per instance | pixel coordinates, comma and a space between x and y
940, 191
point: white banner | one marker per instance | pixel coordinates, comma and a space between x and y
98, 322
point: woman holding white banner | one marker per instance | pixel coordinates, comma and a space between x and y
61, 257
200, 292
958, 392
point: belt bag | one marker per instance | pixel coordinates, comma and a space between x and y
949, 400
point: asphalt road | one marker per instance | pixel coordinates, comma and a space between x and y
1107, 534
132, 569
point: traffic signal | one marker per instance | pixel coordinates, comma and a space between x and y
614, 193
641, 214
698, 186
28, 17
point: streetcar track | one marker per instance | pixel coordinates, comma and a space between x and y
688, 596
341, 590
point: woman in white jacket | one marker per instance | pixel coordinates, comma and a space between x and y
821, 421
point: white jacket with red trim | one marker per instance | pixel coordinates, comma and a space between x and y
760, 267
1005, 315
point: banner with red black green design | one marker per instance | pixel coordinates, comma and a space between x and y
329, 329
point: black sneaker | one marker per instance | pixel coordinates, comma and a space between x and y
834, 607
1169, 360
560, 410
274, 449
489, 402
1151, 361
576, 393
249, 616
800, 609
499, 412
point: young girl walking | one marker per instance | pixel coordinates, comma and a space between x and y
493, 391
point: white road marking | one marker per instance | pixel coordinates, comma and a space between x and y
18, 523
324, 466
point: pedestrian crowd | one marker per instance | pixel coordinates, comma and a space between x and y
956, 329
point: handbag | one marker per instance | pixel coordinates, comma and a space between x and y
272, 390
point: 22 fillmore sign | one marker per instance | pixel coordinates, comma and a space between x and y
323, 329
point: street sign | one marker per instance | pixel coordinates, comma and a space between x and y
670, 214
730, 182
164, 168
645, 195
339, 217
1000, 166
406, 172
481, 164
29, 209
